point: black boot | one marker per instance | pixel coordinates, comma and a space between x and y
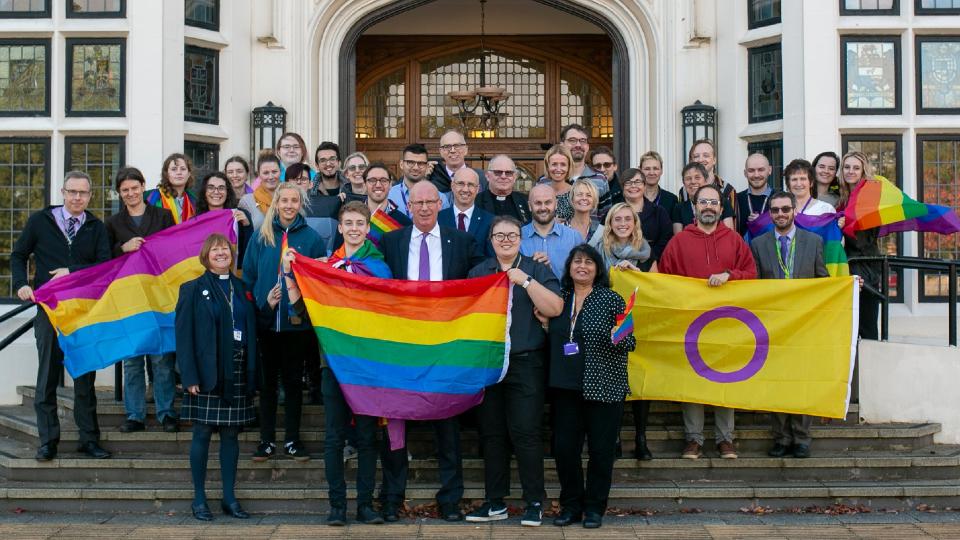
642, 453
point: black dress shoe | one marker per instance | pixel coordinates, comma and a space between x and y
566, 518
170, 425
592, 520
801, 451
234, 510
337, 516
391, 512
93, 450
129, 426
451, 512
46, 452
642, 452
778, 450
201, 512
366, 514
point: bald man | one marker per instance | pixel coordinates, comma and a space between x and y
752, 201
465, 215
428, 251
545, 239
501, 199
453, 149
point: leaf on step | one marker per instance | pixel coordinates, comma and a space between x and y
18, 510
691, 510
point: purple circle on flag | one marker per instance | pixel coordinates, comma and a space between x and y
761, 348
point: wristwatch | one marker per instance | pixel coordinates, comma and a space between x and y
526, 282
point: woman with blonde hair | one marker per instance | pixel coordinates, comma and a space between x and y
620, 240
558, 163
353, 167
584, 198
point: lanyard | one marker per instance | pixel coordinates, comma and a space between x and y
750, 202
573, 316
805, 205
403, 195
229, 299
788, 267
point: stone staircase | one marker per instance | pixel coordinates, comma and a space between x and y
889, 466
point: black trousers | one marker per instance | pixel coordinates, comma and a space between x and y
512, 411
869, 312
281, 359
599, 423
338, 415
50, 364
395, 465
641, 411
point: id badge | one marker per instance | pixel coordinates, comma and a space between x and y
238, 335
571, 348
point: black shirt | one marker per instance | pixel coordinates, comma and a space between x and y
746, 201
43, 238
526, 334
657, 231
515, 204
666, 200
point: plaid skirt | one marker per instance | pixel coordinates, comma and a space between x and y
211, 409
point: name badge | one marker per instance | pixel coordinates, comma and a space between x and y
238, 335
571, 348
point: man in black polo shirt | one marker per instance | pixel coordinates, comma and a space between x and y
62, 239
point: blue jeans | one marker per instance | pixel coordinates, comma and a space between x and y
135, 391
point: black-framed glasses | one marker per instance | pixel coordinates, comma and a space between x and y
324, 161
574, 140
781, 209
509, 237
604, 165
414, 163
215, 188
375, 181
506, 173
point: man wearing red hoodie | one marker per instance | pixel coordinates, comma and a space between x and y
708, 249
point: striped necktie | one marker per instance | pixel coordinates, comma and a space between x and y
72, 228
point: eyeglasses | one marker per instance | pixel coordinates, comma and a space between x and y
605, 165
634, 182
375, 181
73, 193
357, 167
414, 163
462, 185
301, 180
781, 209
289, 146
221, 189
449, 147
424, 204
506, 173
708, 202
324, 161
509, 237
574, 140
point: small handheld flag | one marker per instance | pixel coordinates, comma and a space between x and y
624, 326
380, 224
284, 246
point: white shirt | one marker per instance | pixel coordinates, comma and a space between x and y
816, 208
436, 254
466, 219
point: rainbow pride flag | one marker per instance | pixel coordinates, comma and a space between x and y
624, 325
380, 224
125, 307
824, 225
408, 350
881, 204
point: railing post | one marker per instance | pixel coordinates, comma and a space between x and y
952, 306
885, 301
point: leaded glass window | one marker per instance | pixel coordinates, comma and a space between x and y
938, 183
938, 85
22, 9
101, 158
870, 75
524, 79
937, 7
582, 102
869, 7
201, 89
766, 90
205, 158
202, 13
24, 186
773, 150
96, 8
24, 77
763, 13
381, 109
96, 77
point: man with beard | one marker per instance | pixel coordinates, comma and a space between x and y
708, 249
603, 160
546, 240
501, 199
414, 167
327, 158
752, 201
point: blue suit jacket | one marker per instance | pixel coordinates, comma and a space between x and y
479, 227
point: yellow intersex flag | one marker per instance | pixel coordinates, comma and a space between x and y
782, 345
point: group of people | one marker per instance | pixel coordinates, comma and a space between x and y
242, 329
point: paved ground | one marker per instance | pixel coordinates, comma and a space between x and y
904, 525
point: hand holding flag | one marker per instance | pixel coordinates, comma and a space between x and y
624, 326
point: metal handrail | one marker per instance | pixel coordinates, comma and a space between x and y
15, 311
914, 263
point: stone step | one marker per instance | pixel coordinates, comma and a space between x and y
20, 422
312, 498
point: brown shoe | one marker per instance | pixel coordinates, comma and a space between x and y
692, 451
727, 451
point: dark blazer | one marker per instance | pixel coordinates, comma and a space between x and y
479, 228
521, 208
460, 252
122, 228
43, 238
807, 263
442, 180
205, 336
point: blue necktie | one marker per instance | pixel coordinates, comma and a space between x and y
785, 253
71, 229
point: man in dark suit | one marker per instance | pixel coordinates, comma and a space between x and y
428, 251
464, 214
788, 252
502, 199
453, 150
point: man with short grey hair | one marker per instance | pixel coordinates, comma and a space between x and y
453, 150
62, 239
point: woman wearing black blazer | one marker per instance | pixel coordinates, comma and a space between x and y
216, 353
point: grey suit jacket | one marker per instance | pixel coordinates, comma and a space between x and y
808, 261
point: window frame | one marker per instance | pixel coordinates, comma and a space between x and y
119, 140
757, 147
119, 14
45, 14
752, 23
751, 118
844, 11
214, 26
216, 75
70, 43
922, 138
45, 42
897, 139
922, 11
190, 154
918, 73
897, 68
47, 144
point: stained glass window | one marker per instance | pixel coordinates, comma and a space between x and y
24, 78
96, 8
524, 79
870, 75
101, 158
581, 102
939, 183
766, 90
381, 109
205, 157
763, 13
200, 87
24, 185
24, 9
937, 7
869, 7
938, 85
96, 76
202, 13
773, 150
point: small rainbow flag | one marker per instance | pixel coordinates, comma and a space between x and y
624, 326
824, 225
881, 204
125, 307
284, 246
380, 224
408, 350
